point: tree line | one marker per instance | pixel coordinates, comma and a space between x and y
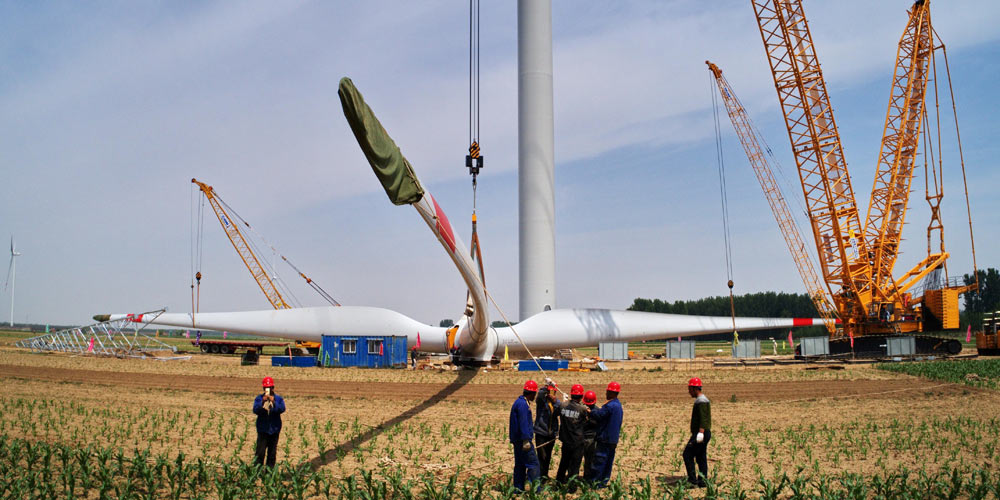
984, 300
759, 305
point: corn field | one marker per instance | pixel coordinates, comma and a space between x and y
973, 372
51, 448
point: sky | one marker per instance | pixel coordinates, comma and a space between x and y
108, 109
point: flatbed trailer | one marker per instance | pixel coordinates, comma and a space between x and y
232, 346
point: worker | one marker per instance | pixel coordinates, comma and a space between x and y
701, 434
525, 460
572, 418
546, 426
609, 419
268, 407
413, 357
589, 433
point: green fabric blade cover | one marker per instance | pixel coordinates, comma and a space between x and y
393, 170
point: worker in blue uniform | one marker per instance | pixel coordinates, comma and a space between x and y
268, 407
521, 434
609, 420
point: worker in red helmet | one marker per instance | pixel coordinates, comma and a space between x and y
521, 434
268, 407
590, 428
609, 419
572, 418
701, 434
546, 426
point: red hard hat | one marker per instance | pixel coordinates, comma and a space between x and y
615, 387
694, 382
531, 385
590, 398
268, 382
576, 390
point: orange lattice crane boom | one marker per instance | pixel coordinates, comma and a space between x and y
819, 156
751, 141
898, 153
243, 248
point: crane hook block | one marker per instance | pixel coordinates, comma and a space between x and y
730, 284
474, 161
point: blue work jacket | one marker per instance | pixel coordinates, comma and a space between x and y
609, 418
269, 422
521, 428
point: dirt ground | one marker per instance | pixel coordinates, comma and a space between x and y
461, 390
766, 420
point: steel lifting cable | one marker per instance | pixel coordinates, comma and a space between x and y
720, 160
519, 339
474, 160
197, 234
961, 157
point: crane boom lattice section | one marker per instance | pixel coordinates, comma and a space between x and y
900, 145
243, 248
748, 136
818, 153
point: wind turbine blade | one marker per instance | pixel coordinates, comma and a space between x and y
10, 266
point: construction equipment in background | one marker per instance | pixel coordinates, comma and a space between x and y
752, 142
857, 260
265, 276
988, 340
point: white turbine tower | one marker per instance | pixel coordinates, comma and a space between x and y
11, 277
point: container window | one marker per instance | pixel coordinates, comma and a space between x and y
374, 346
350, 346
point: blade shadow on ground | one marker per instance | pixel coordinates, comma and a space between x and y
330, 455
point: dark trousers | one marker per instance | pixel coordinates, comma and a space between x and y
544, 446
604, 458
525, 466
569, 462
695, 451
589, 448
267, 443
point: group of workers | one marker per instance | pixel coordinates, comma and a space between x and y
589, 435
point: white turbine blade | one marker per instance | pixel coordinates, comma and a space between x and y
10, 266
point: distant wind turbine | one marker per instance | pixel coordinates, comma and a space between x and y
11, 277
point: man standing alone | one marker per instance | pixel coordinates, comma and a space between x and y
609, 419
546, 426
525, 460
268, 407
572, 418
701, 434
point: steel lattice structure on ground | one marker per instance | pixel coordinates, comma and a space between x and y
119, 338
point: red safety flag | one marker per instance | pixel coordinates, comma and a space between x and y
90, 346
187, 334
968, 334
678, 338
852, 340
381, 349
418, 340
790, 342
224, 334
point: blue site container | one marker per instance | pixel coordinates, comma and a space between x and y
528, 365
299, 361
364, 351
